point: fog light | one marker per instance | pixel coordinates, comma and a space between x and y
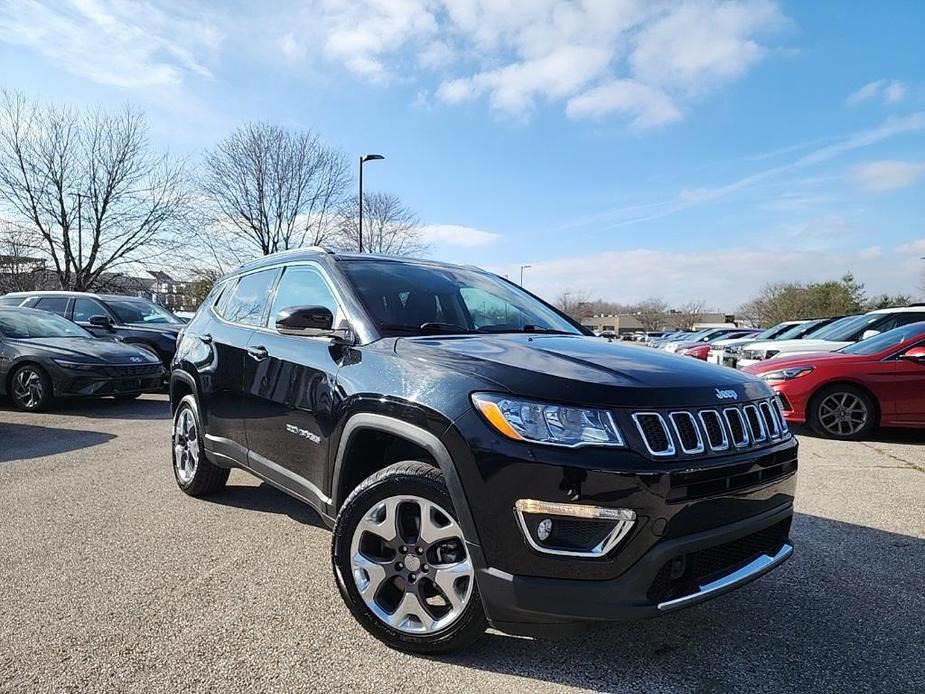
544, 529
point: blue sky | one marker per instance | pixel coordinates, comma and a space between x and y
692, 150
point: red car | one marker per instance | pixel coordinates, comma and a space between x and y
845, 394
697, 351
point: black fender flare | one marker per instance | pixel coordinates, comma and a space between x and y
417, 435
178, 375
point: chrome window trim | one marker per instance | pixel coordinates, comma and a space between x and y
613, 538
722, 427
659, 454
764, 432
700, 448
745, 427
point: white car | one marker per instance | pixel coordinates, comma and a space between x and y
839, 334
726, 352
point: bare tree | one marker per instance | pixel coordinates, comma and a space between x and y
651, 313
389, 226
684, 317
575, 303
19, 261
89, 185
274, 189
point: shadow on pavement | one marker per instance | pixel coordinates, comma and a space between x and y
147, 408
845, 614
26, 441
266, 499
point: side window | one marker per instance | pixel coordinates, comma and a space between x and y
490, 310
303, 286
907, 318
52, 304
224, 297
85, 308
249, 299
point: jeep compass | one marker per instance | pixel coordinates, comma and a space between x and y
482, 459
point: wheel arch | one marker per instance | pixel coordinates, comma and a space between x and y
181, 385
17, 365
413, 434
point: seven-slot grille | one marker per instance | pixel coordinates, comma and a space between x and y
749, 425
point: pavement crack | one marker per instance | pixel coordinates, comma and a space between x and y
906, 463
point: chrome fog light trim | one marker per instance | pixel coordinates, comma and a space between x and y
623, 519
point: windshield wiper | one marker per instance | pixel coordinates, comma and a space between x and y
429, 328
528, 328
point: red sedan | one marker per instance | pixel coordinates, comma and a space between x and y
845, 394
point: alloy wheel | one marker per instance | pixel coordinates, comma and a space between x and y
843, 414
185, 446
409, 563
28, 389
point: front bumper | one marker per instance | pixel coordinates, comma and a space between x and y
682, 506
533, 606
108, 381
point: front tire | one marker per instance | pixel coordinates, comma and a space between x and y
31, 388
842, 412
401, 562
194, 473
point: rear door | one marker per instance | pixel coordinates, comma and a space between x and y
289, 387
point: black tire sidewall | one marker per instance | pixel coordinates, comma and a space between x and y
825, 392
187, 403
47, 388
400, 479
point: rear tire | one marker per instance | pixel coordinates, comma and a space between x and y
194, 473
842, 411
31, 388
397, 539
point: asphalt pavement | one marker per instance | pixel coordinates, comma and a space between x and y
113, 580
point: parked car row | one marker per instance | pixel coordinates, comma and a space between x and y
841, 375
77, 344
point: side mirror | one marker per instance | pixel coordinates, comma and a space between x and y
916, 354
309, 321
101, 322
870, 333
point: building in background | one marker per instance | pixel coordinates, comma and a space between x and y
628, 323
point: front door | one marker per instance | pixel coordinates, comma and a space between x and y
289, 388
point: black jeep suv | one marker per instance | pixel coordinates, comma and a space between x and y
481, 458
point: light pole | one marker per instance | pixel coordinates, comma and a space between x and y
522, 268
364, 158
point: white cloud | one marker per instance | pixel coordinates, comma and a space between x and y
113, 42
648, 105
636, 58
456, 235
726, 277
890, 91
880, 176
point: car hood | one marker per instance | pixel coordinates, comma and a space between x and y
818, 359
734, 342
586, 370
86, 349
789, 346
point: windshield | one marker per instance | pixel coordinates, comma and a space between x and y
795, 332
411, 299
885, 341
140, 311
25, 325
846, 328
774, 331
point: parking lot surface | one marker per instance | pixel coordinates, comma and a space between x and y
113, 580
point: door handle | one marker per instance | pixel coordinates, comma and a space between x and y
258, 353
207, 339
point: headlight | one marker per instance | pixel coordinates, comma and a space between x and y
555, 425
787, 374
76, 365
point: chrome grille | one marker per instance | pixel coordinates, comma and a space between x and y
685, 428
651, 426
709, 431
716, 432
756, 428
736, 423
770, 419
